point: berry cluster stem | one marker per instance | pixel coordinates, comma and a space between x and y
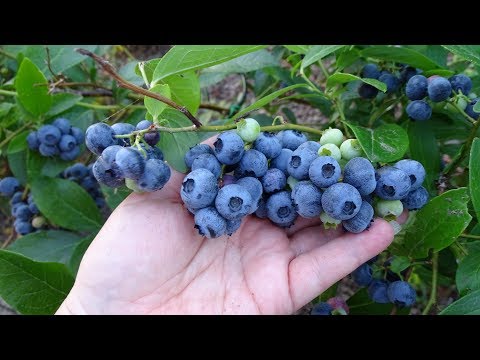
433, 293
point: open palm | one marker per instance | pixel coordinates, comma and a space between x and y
149, 259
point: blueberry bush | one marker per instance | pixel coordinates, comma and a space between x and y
395, 134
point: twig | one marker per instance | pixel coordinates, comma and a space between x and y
12, 135
124, 83
49, 65
214, 107
433, 293
470, 236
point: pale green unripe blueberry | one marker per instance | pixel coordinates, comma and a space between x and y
389, 209
462, 103
328, 221
330, 150
331, 136
351, 148
132, 185
248, 129
38, 222
291, 181
472, 95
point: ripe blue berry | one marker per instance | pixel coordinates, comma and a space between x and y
16, 198
23, 227
195, 151
392, 82
299, 163
253, 163
280, 209
98, 137
312, 145
361, 221
324, 171
407, 73
155, 176
419, 110
363, 275
131, 162
439, 89
414, 170
23, 212
307, 199
254, 187
401, 293
33, 208
341, 201
89, 183
416, 88
322, 308
78, 134
67, 143
70, 155
261, 211
210, 223
32, 141
229, 148
48, 150
63, 125
392, 183
151, 138
8, 186
77, 171
268, 144
359, 172
233, 202
106, 175
49, 135
233, 225
199, 189
367, 91
123, 129
461, 82
273, 180
416, 199
377, 291
370, 71
281, 161
292, 139
209, 162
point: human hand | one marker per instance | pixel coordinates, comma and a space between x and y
149, 259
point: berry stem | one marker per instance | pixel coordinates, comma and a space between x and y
459, 109
469, 236
7, 93
15, 133
433, 293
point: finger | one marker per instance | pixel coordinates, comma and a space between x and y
314, 271
311, 237
403, 217
302, 223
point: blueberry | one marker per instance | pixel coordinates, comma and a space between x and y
156, 175
106, 175
416, 88
407, 73
274, 180
98, 137
229, 148
48, 150
350, 149
151, 138
70, 155
370, 71
322, 308
123, 129
377, 291
419, 110
332, 136
248, 129
63, 125
280, 209
392, 183
229, 179
359, 172
78, 134
254, 187
233, 225
253, 163
361, 221
312, 145
292, 139
15, 207
307, 199
439, 89
469, 109
416, 199
261, 211
341, 201
324, 171
32, 141
131, 162
199, 189
16, 198
77, 170
392, 82
363, 275
23, 227
330, 150
23, 212
195, 151
414, 170
210, 223
461, 82
401, 293
233, 202
209, 162
100, 202
8, 186
30, 199
152, 152
299, 163
33, 208
367, 91
268, 144
67, 143
281, 161
49, 135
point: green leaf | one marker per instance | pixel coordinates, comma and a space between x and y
384, 144
424, 148
318, 52
182, 58
399, 263
32, 88
340, 78
468, 52
438, 224
400, 54
155, 107
38, 165
265, 100
114, 196
5, 108
128, 72
32, 287
174, 146
185, 90
361, 304
300, 49
62, 102
17, 156
467, 305
149, 68
78, 253
474, 176
468, 272
66, 204
47, 246
347, 58
439, 72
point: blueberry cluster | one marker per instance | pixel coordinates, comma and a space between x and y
333, 305
23, 207
384, 291
139, 166
281, 176
58, 138
83, 175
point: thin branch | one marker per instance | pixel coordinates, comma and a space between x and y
124, 83
470, 236
49, 65
433, 293
214, 107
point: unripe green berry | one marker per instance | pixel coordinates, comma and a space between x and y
472, 95
38, 222
350, 149
291, 181
132, 185
462, 103
328, 221
248, 129
330, 150
331, 136
389, 209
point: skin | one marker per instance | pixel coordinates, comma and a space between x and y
148, 259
